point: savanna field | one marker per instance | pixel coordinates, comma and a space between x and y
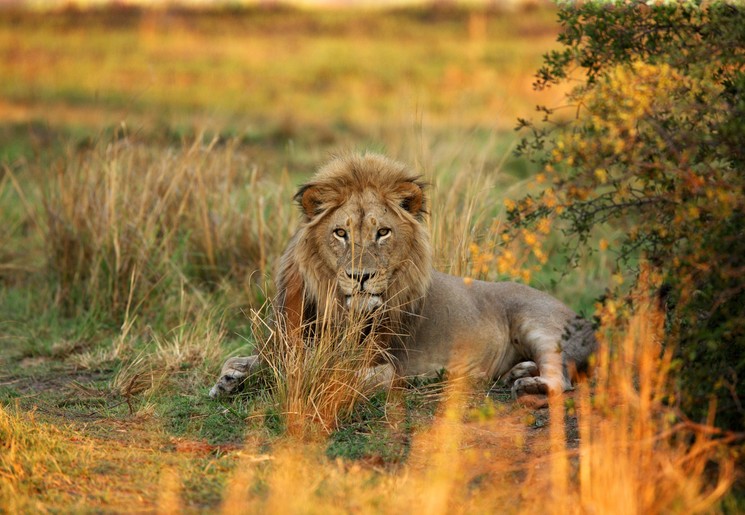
148, 161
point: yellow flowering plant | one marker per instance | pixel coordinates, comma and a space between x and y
655, 147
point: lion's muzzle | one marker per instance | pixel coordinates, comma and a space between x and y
362, 288
363, 302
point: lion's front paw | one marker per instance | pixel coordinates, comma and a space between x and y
530, 386
534, 391
531, 392
519, 371
379, 377
234, 373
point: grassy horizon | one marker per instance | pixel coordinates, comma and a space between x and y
253, 71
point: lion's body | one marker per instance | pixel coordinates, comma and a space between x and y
485, 329
362, 247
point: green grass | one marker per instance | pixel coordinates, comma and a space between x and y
379, 431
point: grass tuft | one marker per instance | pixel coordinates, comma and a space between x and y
127, 224
185, 359
317, 380
34, 457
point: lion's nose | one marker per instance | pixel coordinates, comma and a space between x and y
360, 276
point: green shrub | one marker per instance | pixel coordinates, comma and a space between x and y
655, 147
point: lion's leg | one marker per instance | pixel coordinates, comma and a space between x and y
524, 369
550, 381
234, 373
545, 348
379, 377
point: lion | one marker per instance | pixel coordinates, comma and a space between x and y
362, 246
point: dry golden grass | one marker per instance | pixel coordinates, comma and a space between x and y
131, 203
34, 457
281, 68
317, 382
635, 456
134, 468
180, 359
125, 226
632, 456
123, 218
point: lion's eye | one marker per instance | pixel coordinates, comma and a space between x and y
340, 233
382, 233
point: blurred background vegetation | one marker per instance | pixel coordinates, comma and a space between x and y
151, 151
256, 72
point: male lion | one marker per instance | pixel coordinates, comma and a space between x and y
362, 246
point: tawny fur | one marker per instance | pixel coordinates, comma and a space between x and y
361, 244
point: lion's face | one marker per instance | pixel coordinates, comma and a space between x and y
363, 228
366, 246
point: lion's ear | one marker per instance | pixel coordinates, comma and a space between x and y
308, 198
411, 198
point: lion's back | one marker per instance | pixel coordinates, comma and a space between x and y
490, 322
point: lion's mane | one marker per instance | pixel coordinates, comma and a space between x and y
305, 281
